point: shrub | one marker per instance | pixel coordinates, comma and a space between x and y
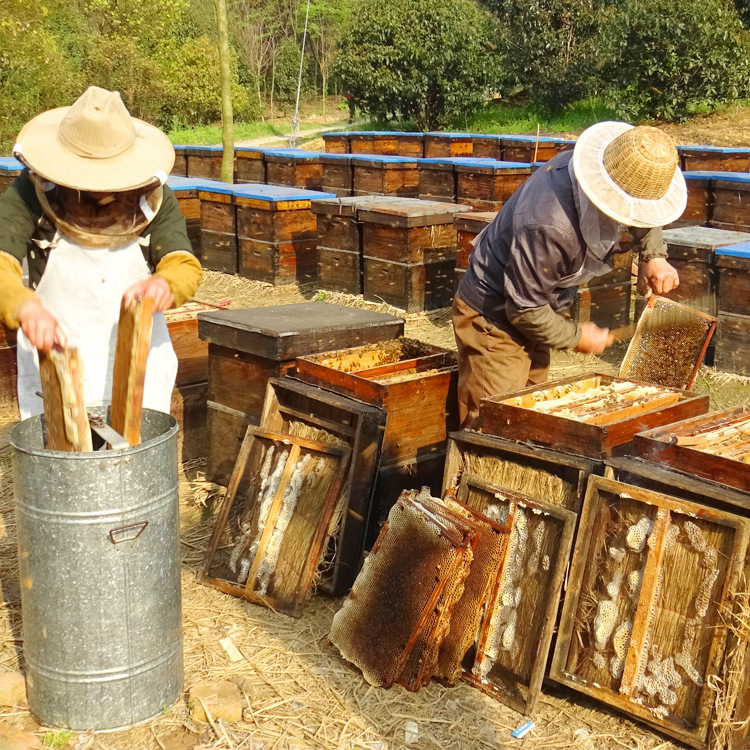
431, 61
671, 58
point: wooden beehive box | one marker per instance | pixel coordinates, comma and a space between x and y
529, 148
642, 625
700, 199
340, 264
691, 250
385, 175
554, 477
179, 168
714, 446
188, 407
468, 226
249, 346
191, 351
485, 185
448, 144
409, 252
488, 146
293, 167
733, 331
731, 201
8, 371
337, 174
187, 191
10, 168
564, 144
336, 143
218, 228
437, 179
249, 164
732, 349
386, 143
607, 305
277, 233
204, 161
590, 415
714, 158
298, 408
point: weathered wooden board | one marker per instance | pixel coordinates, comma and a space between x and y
607, 305
295, 407
641, 627
607, 427
386, 143
529, 148
437, 180
8, 370
487, 146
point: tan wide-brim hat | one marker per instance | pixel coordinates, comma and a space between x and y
630, 173
95, 145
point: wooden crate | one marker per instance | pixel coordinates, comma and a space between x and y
385, 175
650, 576
293, 167
448, 144
488, 146
551, 476
277, 233
337, 175
218, 228
10, 168
713, 446
733, 269
204, 161
179, 168
191, 351
409, 253
468, 226
485, 185
691, 250
248, 347
294, 407
249, 164
605, 429
336, 143
732, 352
714, 158
189, 408
414, 382
607, 305
529, 148
437, 179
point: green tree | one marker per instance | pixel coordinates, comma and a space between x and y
431, 61
671, 58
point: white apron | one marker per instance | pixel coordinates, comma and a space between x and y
83, 287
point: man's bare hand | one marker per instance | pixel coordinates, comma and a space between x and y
659, 277
154, 288
594, 340
39, 325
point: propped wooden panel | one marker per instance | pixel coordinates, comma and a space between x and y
642, 628
129, 374
509, 657
269, 541
65, 419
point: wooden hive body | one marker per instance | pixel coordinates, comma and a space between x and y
733, 339
294, 167
529, 148
448, 144
10, 168
486, 185
437, 179
249, 164
218, 228
8, 370
179, 167
609, 425
714, 158
641, 627
487, 146
385, 175
204, 161
337, 175
248, 347
336, 143
731, 210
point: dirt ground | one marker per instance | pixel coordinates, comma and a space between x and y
298, 692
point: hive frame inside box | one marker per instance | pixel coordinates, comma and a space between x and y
662, 446
621, 676
360, 425
570, 470
518, 683
504, 415
292, 603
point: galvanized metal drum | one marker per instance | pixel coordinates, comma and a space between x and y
98, 542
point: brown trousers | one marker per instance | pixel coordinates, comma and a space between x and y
492, 360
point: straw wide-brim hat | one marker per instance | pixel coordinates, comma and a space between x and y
630, 173
95, 145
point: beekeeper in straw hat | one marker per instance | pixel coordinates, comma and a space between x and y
560, 229
93, 215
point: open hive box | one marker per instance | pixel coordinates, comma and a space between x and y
271, 537
296, 408
669, 344
714, 446
460, 587
589, 416
642, 627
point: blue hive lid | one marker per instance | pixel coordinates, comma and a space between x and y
276, 193
201, 148
493, 163
741, 250
370, 133
531, 139
10, 164
442, 134
177, 183
704, 174
296, 153
732, 176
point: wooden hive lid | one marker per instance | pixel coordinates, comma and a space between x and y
732, 180
493, 166
291, 155
384, 161
285, 332
203, 150
450, 136
279, 197
348, 205
249, 152
704, 240
474, 221
734, 256
409, 212
180, 184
